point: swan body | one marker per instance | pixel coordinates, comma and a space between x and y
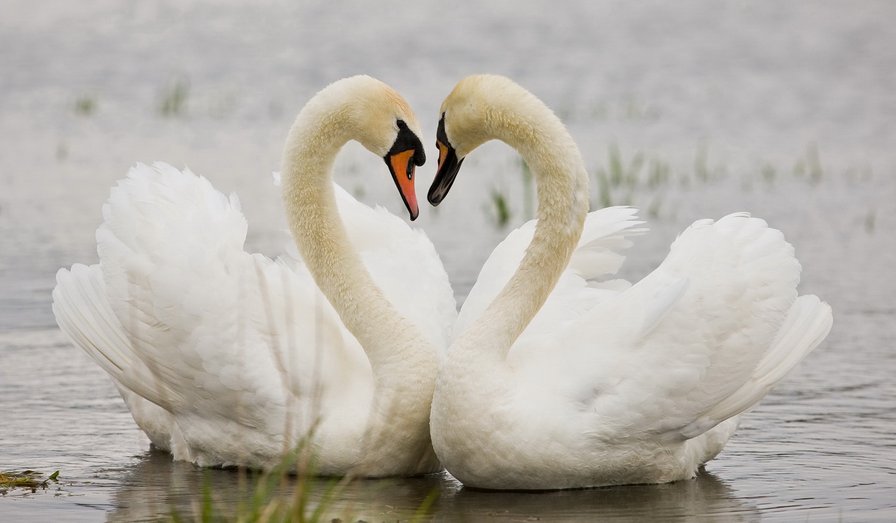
561, 375
231, 358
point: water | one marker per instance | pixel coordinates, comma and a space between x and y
784, 110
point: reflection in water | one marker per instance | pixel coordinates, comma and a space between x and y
706, 498
155, 486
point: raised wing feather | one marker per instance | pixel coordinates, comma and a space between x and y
697, 341
598, 255
234, 345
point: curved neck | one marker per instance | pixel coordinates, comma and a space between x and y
313, 142
562, 185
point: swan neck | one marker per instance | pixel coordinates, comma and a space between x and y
562, 188
312, 145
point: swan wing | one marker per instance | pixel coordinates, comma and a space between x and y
84, 314
404, 264
204, 329
598, 256
699, 340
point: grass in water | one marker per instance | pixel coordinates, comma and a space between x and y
27, 479
281, 496
870, 221
289, 492
174, 100
271, 499
701, 169
85, 106
768, 173
813, 162
502, 210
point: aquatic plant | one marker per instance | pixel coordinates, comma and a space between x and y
282, 495
501, 209
272, 499
814, 164
85, 105
620, 175
174, 99
768, 173
291, 491
870, 221
27, 479
603, 188
701, 170
659, 174
653, 210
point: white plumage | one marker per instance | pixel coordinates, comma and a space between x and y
226, 357
594, 381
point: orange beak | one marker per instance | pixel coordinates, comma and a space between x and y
401, 165
443, 153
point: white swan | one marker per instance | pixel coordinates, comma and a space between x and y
226, 357
563, 378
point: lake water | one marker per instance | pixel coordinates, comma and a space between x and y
701, 108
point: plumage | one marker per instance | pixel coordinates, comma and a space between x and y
226, 357
562, 375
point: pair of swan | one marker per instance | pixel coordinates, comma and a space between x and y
558, 375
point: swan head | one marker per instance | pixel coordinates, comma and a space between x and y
388, 128
376, 116
471, 116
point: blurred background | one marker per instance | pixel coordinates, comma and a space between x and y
687, 110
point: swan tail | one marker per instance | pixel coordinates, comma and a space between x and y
704, 336
739, 327
808, 323
83, 313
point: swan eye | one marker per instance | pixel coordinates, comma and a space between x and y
406, 140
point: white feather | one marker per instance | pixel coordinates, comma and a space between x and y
593, 381
225, 356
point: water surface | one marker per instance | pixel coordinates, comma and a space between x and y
784, 110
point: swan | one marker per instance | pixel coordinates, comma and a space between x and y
562, 376
231, 358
